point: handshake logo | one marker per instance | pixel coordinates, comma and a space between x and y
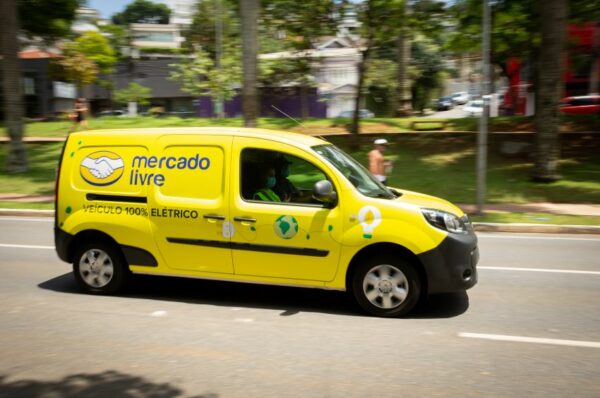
102, 168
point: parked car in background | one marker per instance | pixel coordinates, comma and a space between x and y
444, 103
114, 112
461, 97
474, 108
582, 105
363, 113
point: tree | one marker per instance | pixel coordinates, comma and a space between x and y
549, 89
133, 94
98, 49
202, 32
143, 11
303, 24
44, 19
73, 66
249, 10
427, 70
198, 75
47, 19
380, 25
13, 96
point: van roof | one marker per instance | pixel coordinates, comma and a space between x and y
277, 135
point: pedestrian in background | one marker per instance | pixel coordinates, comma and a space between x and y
79, 114
378, 166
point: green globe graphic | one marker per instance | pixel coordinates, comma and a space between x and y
286, 227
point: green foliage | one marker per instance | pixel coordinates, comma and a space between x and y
426, 70
294, 27
143, 11
201, 33
199, 76
73, 66
515, 29
49, 19
304, 23
134, 92
118, 37
97, 48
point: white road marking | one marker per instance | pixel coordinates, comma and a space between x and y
10, 218
159, 314
557, 271
526, 236
244, 320
535, 340
26, 246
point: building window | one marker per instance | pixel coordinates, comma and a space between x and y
29, 85
155, 36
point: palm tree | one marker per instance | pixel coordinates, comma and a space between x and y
16, 161
549, 89
249, 16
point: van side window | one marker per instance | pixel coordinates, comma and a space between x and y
271, 176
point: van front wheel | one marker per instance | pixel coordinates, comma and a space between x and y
99, 268
386, 286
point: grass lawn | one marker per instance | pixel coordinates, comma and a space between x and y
438, 165
22, 205
536, 218
311, 126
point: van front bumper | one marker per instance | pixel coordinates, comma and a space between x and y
452, 265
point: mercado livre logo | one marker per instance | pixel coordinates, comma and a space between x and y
102, 168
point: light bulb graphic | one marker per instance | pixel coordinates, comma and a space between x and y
369, 218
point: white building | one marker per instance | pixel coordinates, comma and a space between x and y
86, 20
155, 35
182, 11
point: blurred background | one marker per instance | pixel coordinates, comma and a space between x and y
350, 70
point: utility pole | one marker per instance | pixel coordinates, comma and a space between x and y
218, 51
482, 138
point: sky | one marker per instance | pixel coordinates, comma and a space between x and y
108, 7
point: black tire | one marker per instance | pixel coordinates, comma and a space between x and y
385, 298
107, 277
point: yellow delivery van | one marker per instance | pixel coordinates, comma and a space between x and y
252, 205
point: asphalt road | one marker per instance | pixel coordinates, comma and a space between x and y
530, 328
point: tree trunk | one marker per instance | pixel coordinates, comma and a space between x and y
403, 56
362, 68
16, 161
549, 89
304, 110
249, 10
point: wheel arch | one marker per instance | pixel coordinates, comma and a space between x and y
391, 249
91, 235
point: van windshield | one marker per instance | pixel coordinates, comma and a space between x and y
354, 172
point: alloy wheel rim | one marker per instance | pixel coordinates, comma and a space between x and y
385, 286
96, 268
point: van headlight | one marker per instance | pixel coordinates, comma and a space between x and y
446, 221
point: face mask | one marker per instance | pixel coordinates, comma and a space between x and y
285, 172
271, 181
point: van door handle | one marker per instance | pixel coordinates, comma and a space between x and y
214, 217
244, 219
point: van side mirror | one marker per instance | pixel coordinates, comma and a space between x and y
324, 193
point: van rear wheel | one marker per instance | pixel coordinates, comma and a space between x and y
386, 286
99, 268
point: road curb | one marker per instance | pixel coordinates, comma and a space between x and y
479, 227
